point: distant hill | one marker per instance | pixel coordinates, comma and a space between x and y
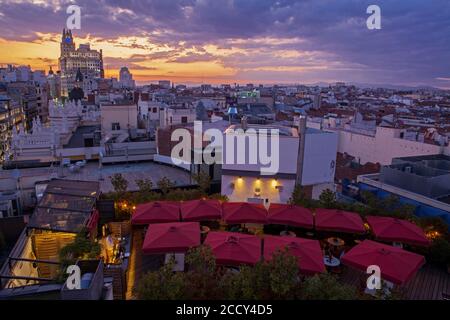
379, 85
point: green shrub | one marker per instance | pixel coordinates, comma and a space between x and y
119, 183
80, 248
439, 251
163, 284
220, 197
165, 184
326, 287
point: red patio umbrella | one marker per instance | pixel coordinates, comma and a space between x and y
290, 215
199, 210
93, 220
156, 212
396, 265
243, 212
337, 220
308, 251
234, 249
171, 237
397, 230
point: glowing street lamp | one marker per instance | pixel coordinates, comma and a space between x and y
231, 111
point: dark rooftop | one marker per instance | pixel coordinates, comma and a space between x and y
254, 109
77, 138
66, 205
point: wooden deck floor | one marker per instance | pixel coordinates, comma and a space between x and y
429, 283
139, 263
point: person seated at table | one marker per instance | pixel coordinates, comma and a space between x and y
336, 251
235, 228
246, 230
329, 251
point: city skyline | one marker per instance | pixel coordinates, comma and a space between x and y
241, 41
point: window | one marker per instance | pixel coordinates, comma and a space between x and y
155, 110
183, 119
115, 126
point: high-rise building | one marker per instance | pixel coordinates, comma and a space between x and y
54, 83
43, 96
317, 101
85, 59
126, 78
25, 93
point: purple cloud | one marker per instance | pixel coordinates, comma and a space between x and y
411, 48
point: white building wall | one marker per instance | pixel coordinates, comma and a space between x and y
383, 147
319, 164
154, 110
239, 189
171, 116
125, 115
287, 157
318, 170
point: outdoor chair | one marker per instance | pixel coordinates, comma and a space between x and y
337, 270
234, 270
397, 245
178, 259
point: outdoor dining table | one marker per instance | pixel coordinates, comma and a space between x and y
204, 230
397, 245
331, 261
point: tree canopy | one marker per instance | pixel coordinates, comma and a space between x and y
277, 278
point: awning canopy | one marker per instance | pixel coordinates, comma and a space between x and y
308, 252
290, 215
200, 210
397, 230
243, 212
234, 249
396, 265
339, 221
156, 212
171, 237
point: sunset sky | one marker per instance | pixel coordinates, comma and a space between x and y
227, 41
